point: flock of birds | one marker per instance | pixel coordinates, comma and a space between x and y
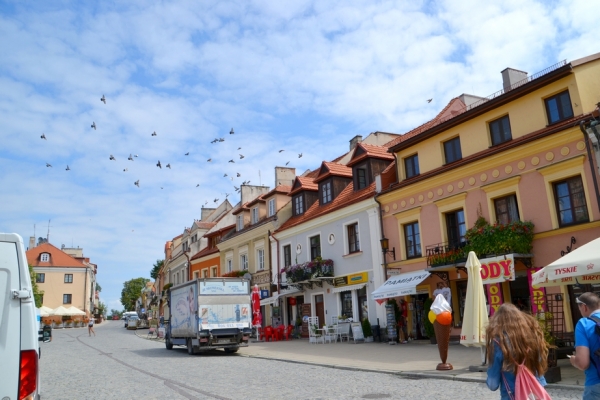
159, 164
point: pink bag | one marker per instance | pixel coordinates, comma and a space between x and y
527, 386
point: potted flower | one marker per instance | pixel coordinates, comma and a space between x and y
429, 331
367, 331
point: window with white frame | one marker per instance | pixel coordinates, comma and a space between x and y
214, 271
68, 278
243, 262
315, 247
205, 273
229, 263
196, 275
353, 240
67, 298
271, 207
40, 278
45, 257
260, 259
255, 215
240, 222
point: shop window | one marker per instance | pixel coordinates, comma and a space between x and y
315, 247
411, 166
68, 278
67, 298
506, 209
569, 196
500, 130
456, 228
346, 298
412, 240
452, 150
353, 240
363, 309
558, 107
40, 278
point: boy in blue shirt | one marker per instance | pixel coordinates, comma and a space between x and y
586, 340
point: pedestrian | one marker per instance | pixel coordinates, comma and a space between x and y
586, 341
514, 338
91, 327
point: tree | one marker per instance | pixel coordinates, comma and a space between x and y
132, 290
101, 308
155, 268
38, 294
98, 287
116, 312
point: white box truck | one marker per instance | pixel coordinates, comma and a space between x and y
209, 313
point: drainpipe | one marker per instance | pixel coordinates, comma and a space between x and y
189, 266
277, 262
85, 291
590, 158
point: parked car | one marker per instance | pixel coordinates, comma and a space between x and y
131, 322
115, 317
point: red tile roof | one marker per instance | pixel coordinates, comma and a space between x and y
259, 199
362, 151
58, 258
333, 169
303, 183
281, 189
205, 252
204, 225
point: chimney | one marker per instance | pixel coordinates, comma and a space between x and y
512, 76
284, 176
354, 141
205, 213
31, 242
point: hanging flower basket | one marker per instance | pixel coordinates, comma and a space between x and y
309, 270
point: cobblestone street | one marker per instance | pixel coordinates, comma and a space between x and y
117, 364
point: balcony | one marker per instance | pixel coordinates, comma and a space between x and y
447, 253
309, 272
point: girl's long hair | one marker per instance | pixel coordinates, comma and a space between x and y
520, 338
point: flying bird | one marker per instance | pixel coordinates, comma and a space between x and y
103, 99
125, 170
130, 158
161, 187
67, 169
221, 140
198, 185
137, 183
94, 125
239, 148
231, 161
43, 136
216, 200
224, 175
112, 158
300, 155
281, 150
206, 202
158, 164
429, 100
209, 160
236, 188
215, 141
241, 156
231, 132
238, 175
169, 166
135, 155
187, 154
48, 165
154, 133
287, 163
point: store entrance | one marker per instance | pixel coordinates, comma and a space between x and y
519, 293
418, 330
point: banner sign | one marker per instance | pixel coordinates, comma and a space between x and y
352, 279
537, 295
494, 297
497, 269
223, 287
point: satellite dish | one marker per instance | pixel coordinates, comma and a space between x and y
247, 276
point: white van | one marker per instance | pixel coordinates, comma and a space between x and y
19, 345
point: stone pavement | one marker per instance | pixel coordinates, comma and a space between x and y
416, 359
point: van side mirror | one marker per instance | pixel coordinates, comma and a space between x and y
45, 334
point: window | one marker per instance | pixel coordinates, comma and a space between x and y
452, 150
570, 201
67, 299
68, 278
346, 298
243, 262
45, 257
185, 246
456, 228
500, 130
353, 242
506, 209
412, 239
287, 255
196, 275
205, 273
255, 215
558, 107
240, 222
271, 207
195, 238
298, 205
326, 192
260, 259
315, 247
229, 265
40, 278
411, 166
214, 271
361, 178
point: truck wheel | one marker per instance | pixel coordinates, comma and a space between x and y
232, 350
190, 348
168, 343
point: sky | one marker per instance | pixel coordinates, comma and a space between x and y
303, 76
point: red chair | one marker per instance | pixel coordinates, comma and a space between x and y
269, 334
288, 332
261, 333
280, 332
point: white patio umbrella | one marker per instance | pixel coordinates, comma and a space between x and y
582, 265
475, 317
60, 311
75, 311
46, 311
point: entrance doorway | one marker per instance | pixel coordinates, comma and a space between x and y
418, 327
320, 309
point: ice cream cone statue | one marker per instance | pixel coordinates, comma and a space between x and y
440, 316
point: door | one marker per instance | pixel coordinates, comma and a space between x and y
320, 309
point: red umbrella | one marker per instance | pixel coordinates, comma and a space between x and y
256, 315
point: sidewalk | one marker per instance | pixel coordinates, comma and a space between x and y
416, 359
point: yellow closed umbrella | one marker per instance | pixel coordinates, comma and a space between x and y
475, 317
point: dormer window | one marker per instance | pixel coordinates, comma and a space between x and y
271, 207
298, 205
326, 196
255, 215
361, 177
240, 222
45, 257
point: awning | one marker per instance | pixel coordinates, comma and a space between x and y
348, 287
273, 299
400, 285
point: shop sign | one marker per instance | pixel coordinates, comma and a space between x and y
537, 295
292, 301
497, 269
352, 279
494, 296
264, 293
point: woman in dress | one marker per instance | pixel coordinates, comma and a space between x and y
514, 337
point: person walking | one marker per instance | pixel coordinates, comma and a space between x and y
514, 338
586, 341
91, 327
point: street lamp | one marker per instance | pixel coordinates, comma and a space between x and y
385, 248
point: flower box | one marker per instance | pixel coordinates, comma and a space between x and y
309, 270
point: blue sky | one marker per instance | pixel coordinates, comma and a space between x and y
304, 76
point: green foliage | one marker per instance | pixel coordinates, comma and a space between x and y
37, 293
515, 237
132, 290
426, 323
98, 287
545, 321
116, 312
156, 268
235, 274
101, 308
168, 286
366, 327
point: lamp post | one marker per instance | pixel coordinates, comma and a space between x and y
385, 249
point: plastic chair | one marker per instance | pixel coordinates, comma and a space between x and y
288, 332
313, 335
280, 331
261, 333
269, 334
